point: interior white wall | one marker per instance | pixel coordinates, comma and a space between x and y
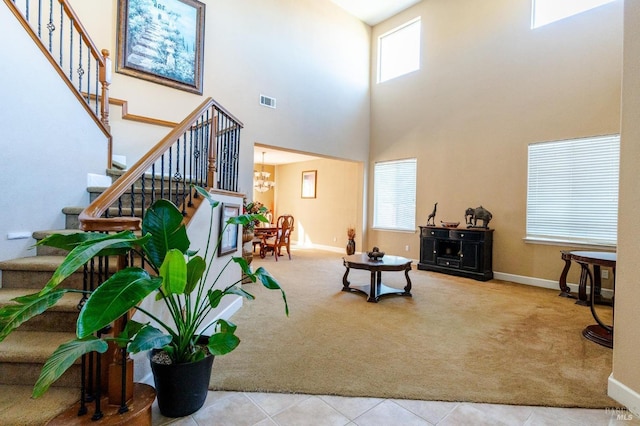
312, 56
45, 131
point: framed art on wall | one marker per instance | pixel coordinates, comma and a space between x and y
229, 239
162, 42
309, 184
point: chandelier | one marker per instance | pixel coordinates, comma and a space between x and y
261, 182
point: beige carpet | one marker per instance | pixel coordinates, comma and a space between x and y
454, 340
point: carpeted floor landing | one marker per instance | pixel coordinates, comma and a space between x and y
455, 340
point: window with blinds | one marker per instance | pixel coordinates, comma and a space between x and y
572, 191
394, 195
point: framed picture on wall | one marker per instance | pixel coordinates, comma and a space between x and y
229, 237
162, 42
309, 184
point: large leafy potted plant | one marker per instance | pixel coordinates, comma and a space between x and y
182, 279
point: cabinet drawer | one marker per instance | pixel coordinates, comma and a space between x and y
466, 235
450, 263
435, 233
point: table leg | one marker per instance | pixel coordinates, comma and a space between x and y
407, 289
585, 275
565, 291
599, 333
373, 291
345, 282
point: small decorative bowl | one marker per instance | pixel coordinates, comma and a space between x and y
450, 224
375, 254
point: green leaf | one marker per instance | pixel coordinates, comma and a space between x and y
174, 272
121, 292
246, 219
70, 241
85, 252
246, 269
214, 297
163, 220
240, 292
63, 358
27, 307
195, 270
148, 338
206, 195
223, 343
269, 282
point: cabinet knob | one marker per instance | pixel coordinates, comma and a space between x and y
461, 235
432, 233
434, 252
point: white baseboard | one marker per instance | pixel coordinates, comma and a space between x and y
624, 395
539, 282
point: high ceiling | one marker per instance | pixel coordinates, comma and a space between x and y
369, 11
374, 11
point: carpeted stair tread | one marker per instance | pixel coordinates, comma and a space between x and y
32, 263
17, 408
68, 303
38, 235
31, 346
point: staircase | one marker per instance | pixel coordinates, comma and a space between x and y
23, 352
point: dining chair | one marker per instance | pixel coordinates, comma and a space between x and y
281, 238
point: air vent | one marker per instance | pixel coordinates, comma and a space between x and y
267, 101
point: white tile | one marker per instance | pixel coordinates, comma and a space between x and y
234, 410
389, 413
351, 407
313, 411
273, 403
432, 411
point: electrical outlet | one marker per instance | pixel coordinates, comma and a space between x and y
406, 248
335, 239
605, 274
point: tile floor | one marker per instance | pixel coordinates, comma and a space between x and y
269, 409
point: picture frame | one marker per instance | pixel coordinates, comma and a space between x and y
172, 53
228, 239
309, 183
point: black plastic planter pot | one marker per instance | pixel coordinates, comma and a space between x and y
182, 388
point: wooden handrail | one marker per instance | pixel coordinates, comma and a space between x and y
91, 217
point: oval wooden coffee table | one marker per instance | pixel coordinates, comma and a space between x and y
375, 290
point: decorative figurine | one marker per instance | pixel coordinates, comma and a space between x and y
375, 254
432, 216
471, 216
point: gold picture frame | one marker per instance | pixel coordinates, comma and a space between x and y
162, 42
309, 183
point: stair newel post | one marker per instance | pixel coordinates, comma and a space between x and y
213, 136
105, 80
120, 369
104, 75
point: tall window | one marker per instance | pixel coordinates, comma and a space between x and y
546, 11
394, 195
399, 51
572, 193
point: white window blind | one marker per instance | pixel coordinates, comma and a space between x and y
399, 51
394, 195
572, 193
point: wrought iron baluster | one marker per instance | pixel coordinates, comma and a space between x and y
60, 48
71, 49
39, 18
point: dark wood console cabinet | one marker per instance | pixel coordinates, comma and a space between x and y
464, 252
